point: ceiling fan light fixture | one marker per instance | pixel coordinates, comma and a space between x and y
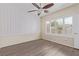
46, 11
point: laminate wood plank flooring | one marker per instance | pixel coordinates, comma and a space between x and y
38, 48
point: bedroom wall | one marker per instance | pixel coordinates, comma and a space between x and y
16, 25
67, 40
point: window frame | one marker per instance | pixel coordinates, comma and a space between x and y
63, 18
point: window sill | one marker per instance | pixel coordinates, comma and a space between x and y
61, 35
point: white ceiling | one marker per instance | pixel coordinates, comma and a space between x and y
56, 7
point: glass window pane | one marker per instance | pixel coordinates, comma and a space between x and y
53, 26
59, 21
68, 25
68, 20
59, 25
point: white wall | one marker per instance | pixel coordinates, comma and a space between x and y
76, 31
65, 40
16, 25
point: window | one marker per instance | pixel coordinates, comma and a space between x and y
68, 20
68, 24
61, 25
53, 26
48, 26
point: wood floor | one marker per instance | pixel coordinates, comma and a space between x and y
38, 48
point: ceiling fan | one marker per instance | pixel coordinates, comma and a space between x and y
40, 8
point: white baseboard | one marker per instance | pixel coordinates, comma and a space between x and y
16, 39
68, 41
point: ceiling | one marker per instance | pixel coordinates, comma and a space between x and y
56, 7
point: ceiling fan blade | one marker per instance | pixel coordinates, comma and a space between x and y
36, 5
48, 6
32, 10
